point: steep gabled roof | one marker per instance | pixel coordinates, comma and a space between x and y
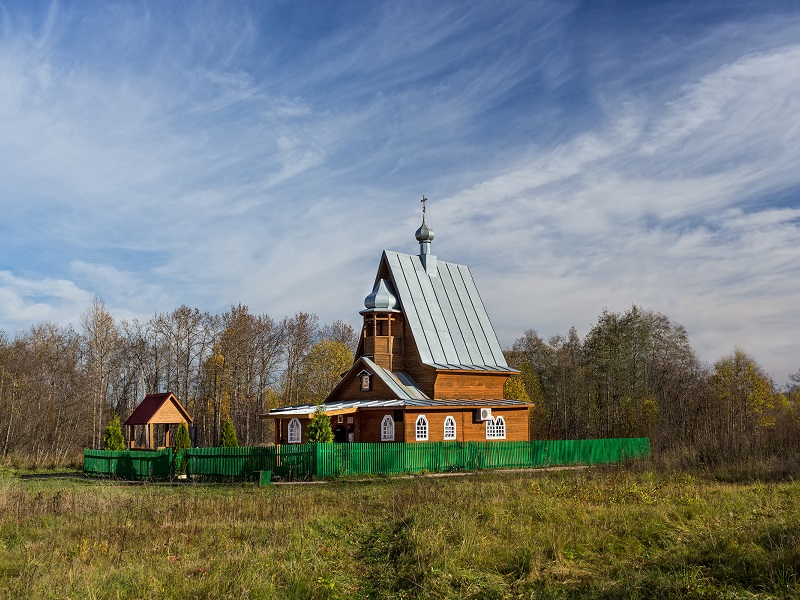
446, 315
399, 383
151, 404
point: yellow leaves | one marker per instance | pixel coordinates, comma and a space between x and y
641, 415
514, 389
740, 375
742, 387
321, 370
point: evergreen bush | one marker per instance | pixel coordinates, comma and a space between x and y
112, 436
182, 442
228, 438
319, 429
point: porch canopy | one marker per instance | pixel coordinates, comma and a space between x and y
157, 409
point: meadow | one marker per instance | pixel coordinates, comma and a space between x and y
621, 532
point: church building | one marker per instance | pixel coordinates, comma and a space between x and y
428, 366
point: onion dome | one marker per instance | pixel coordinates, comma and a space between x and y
424, 233
382, 298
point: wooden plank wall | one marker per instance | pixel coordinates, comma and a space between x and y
168, 413
367, 425
468, 386
466, 431
351, 389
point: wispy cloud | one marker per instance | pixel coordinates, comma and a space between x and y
576, 159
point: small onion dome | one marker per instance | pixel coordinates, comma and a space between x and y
424, 233
382, 298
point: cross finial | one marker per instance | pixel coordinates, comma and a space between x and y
424, 236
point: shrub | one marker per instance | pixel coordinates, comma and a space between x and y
319, 428
182, 442
228, 438
112, 436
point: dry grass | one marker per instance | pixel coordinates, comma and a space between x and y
607, 533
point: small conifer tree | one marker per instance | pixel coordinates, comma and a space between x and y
182, 442
112, 436
228, 438
319, 428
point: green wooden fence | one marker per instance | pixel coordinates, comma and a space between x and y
439, 457
287, 462
323, 461
128, 464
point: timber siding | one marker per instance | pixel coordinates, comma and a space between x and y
351, 388
466, 429
168, 413
370, 426
470, 386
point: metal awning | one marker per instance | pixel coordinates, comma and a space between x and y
353, 406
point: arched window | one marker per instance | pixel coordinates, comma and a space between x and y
387, 429
500, 428
294, 431
422, 428
449, 428
496, 429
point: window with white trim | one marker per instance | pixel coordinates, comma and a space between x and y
387, 429
422, 428
295, 432
449, 428
496, 429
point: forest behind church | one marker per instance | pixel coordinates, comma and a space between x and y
633, 374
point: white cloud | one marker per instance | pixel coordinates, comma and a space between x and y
29, 301
674, 215
211, 158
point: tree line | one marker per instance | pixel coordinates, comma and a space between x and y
60, 387
635, 374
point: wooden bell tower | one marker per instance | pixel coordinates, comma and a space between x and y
383, 328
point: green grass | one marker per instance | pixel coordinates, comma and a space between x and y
599, 533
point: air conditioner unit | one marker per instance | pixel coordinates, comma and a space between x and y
485, 414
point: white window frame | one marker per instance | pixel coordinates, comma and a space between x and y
496, 428
387, 429
421, 428
295, 431
451, 434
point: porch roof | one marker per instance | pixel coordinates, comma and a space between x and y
352, 406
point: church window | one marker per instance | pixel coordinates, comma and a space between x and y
387, 429
422, 428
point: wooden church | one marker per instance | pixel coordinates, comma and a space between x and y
428, 366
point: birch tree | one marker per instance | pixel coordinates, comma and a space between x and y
101, 343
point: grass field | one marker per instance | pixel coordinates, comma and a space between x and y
594, 533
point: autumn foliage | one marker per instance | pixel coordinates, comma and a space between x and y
633, 374
636, 374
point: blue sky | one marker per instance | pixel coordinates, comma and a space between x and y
576, 156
